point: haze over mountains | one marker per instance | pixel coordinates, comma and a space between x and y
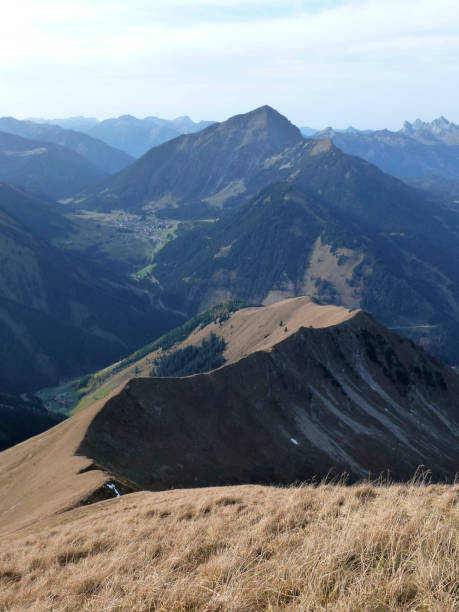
101, 155
130, 134
423, 154
203, 319
216, 166
45, 168
337, 227
252, 210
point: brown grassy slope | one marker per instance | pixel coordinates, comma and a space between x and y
255, 329
244, 548
246, 331
41, 476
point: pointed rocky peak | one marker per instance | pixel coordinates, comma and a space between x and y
441, 122
440, 130
418, 124
265, 123
327, 132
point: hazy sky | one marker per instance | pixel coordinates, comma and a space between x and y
369, 63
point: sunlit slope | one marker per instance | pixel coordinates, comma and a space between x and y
243, 548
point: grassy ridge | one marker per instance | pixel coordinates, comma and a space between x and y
96, 386
248, 548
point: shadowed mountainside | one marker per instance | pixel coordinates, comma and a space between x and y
200, 171
344, 394
384, 251
61, 316
23, 417
346, 398
46, 168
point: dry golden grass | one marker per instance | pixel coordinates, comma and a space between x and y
331, 547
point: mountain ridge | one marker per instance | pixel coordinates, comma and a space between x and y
46, 168
347, 394
212, 164
103, 156
289, 242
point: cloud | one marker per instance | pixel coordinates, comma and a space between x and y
237, 52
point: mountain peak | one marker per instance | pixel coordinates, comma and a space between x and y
268, 120
268, 112
439, 130
441, 122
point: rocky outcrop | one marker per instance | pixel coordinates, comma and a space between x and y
352, 397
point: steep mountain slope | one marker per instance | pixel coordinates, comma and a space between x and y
137, 136
200, 171
228, 163
21, 418
334, 391
400, 154
41, 217
398, 253
98, 153
383, 251
44, 167
61, 316
437, 188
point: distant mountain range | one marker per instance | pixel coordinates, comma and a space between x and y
437, 131
399, 154
308, 132
425, 155
289, 216
135, 136
296, 216
104, 157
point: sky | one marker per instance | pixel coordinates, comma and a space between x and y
366, 63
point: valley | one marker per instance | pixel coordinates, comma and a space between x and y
229, 306
121, 238
217, 351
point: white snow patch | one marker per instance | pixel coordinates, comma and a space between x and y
293, 441
114, 489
